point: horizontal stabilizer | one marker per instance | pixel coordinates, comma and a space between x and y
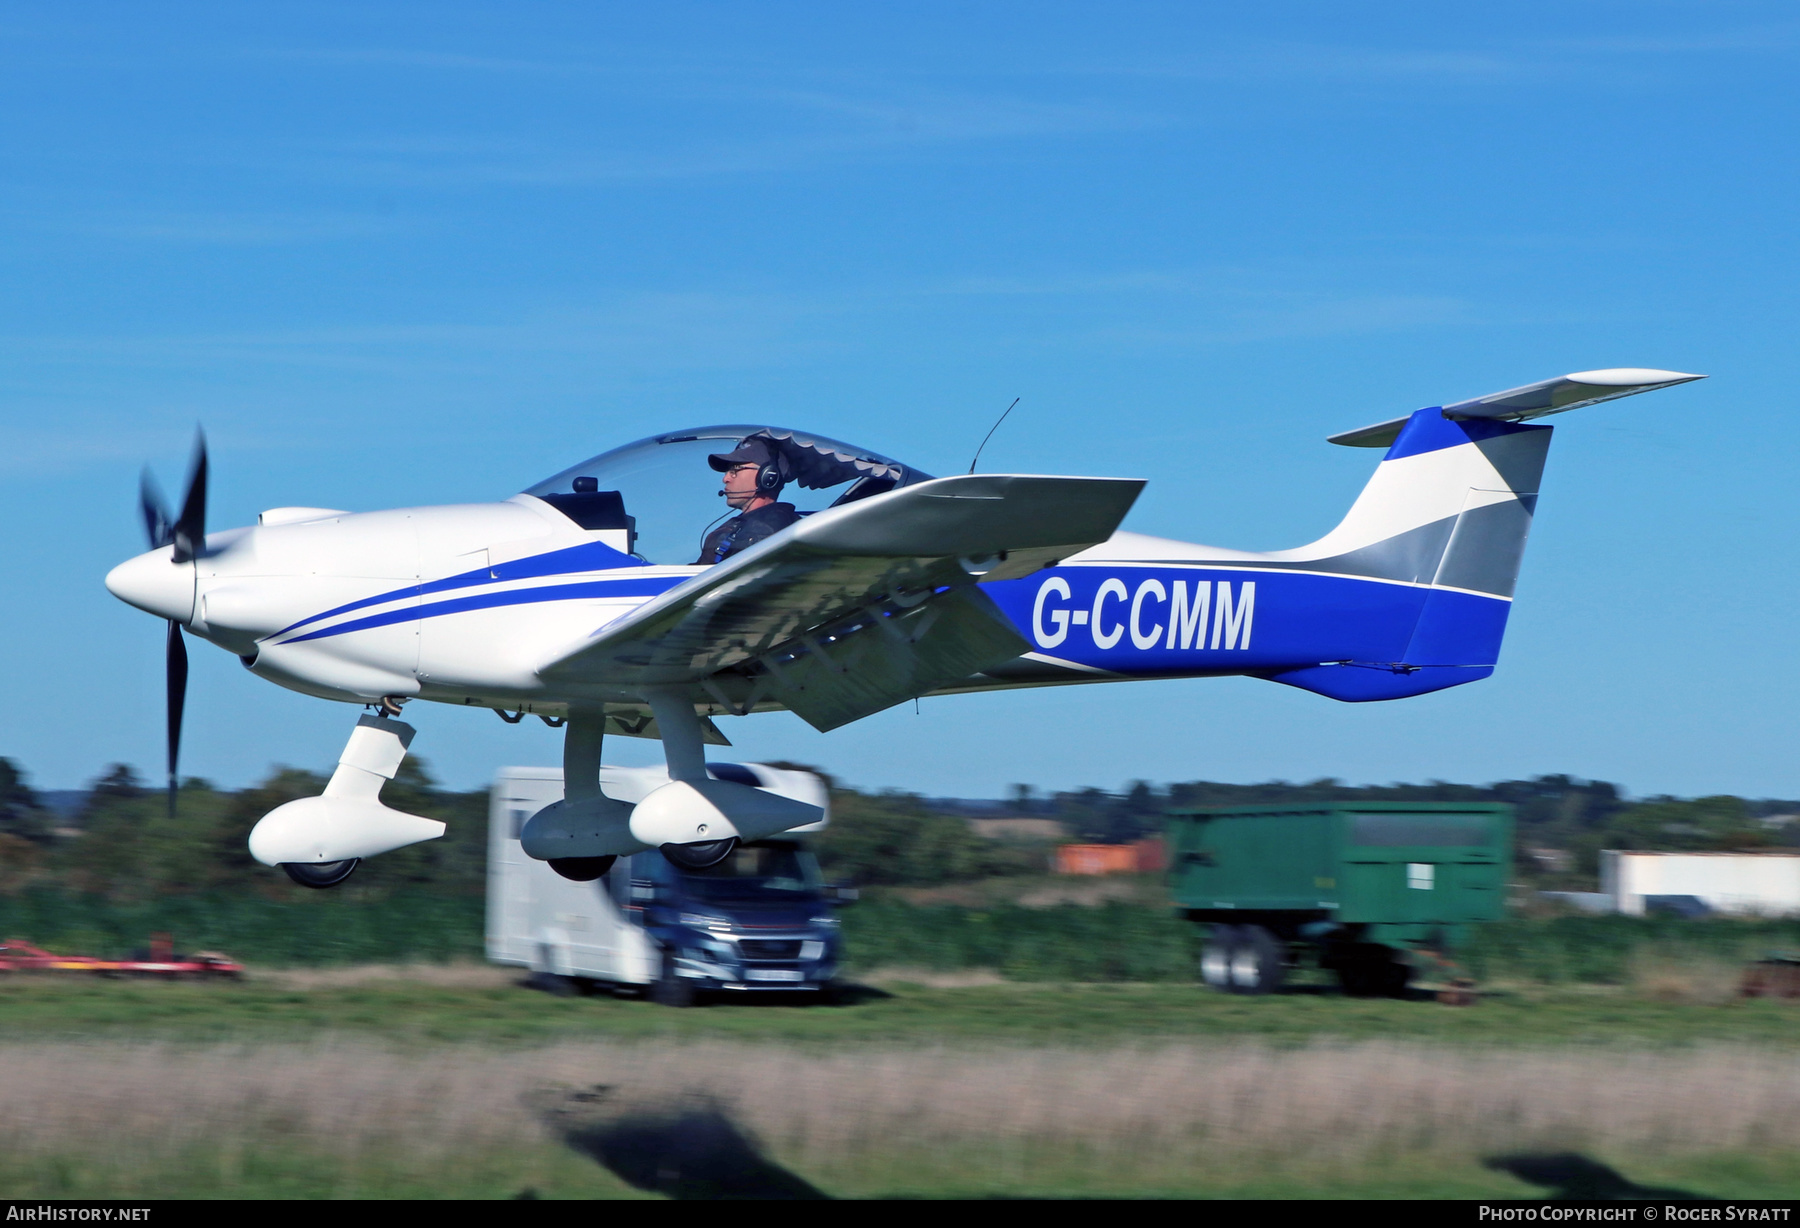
1551, 396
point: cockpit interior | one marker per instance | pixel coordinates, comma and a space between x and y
657, 499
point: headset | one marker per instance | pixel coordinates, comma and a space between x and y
771, 478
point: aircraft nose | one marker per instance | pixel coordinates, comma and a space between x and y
156, 584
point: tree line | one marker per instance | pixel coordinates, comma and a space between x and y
123, 844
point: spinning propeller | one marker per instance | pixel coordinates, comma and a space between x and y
187, 534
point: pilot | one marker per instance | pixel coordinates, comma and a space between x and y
754, 473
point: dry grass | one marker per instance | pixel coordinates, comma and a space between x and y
966, 978
1666, 977
1168, 1107
444, 976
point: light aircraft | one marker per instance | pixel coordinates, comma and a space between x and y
578, 601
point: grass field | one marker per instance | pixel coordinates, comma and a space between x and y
996, 1047
1022, 929
454, 1081
347, 1117
477, 1005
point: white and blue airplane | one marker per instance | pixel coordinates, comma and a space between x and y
578, 601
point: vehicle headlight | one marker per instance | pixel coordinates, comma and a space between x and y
705, 921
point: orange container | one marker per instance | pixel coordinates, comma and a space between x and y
1096, 859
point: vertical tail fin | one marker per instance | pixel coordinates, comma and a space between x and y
1449, 509
1450, 505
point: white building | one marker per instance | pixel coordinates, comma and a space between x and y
1741, 884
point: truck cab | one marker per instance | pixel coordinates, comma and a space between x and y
761, 921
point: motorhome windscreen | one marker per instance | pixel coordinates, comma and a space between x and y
755, 870
1438, 830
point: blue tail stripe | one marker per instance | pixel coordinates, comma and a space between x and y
1429, 431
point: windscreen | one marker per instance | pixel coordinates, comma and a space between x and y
1438, 830
673, 495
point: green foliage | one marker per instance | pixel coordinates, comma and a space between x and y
892, 839
295, 928
1113, 942
1601, 950
1703, 823
1098, 817
21, 818
132, 849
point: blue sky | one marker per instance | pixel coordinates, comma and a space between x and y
395, 255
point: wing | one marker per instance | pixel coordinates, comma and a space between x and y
855, 608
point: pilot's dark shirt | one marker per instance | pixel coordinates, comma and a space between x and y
743, 532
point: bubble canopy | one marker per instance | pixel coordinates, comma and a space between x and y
671, 494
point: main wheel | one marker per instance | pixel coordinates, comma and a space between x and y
582, 869
1258, 962
322, 874
1215, 957
702, 855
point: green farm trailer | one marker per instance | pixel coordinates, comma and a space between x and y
1370, 889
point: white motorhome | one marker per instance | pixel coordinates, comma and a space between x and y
760, 921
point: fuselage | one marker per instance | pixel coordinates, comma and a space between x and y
463, 604
469, 604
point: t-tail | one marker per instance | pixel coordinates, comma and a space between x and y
1409, 594
1450, 508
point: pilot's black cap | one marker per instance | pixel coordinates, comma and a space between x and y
752, 451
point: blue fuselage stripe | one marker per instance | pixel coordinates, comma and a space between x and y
649, 586
1344, 636
589, 556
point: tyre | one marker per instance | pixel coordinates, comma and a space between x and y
322, 874
582, 869
1258, 961
702, 855
1215, 957
556, 985
669, 989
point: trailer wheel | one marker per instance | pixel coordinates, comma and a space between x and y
1215, 957
321, 875
1258, 962
582, 869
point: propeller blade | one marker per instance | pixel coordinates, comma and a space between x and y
190, 529
158, 524
177, 684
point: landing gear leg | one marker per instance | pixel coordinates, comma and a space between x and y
684, 749
584, 736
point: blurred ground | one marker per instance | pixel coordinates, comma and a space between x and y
459, 1081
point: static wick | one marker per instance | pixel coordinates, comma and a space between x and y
990, 434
